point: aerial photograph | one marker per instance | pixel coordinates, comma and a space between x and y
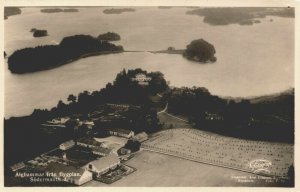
149, 96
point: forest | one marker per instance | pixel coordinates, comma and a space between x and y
49, 56
266, 119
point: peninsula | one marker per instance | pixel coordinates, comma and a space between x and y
10, 11
68, 50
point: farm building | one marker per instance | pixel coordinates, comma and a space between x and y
103, 165
77, 176
66, 145
32, 162
53, 126
88, 124
101, 151
140, 137
17, 166
62, 120
90, 143
120, 132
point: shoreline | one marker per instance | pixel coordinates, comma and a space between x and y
180, 51
70, 61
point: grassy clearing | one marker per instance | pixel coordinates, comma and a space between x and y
170, 122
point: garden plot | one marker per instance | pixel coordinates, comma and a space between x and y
251, 156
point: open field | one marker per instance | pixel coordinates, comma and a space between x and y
159, 170
200, 146
170, 121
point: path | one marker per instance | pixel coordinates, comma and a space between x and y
165, 112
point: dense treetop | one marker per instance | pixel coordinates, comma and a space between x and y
109, 36
201, 51
39, 32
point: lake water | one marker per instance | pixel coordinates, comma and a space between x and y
252, 60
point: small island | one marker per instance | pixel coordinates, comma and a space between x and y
10, 11
109, 36
58, 10
201, 51
39, 32
118, 11
49, 56
198, 50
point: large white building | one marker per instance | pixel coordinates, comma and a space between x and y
120, 132
103, 165
140, 137
61, 120
142, 79
66, 145
89, 143
70, 174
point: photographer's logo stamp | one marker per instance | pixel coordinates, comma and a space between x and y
260, 166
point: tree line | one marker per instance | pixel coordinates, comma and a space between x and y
271, 120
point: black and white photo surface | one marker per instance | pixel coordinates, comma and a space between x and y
149, 96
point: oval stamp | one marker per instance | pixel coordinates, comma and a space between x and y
260, 166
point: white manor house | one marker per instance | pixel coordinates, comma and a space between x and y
142, 79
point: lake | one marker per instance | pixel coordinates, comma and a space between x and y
252, 60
